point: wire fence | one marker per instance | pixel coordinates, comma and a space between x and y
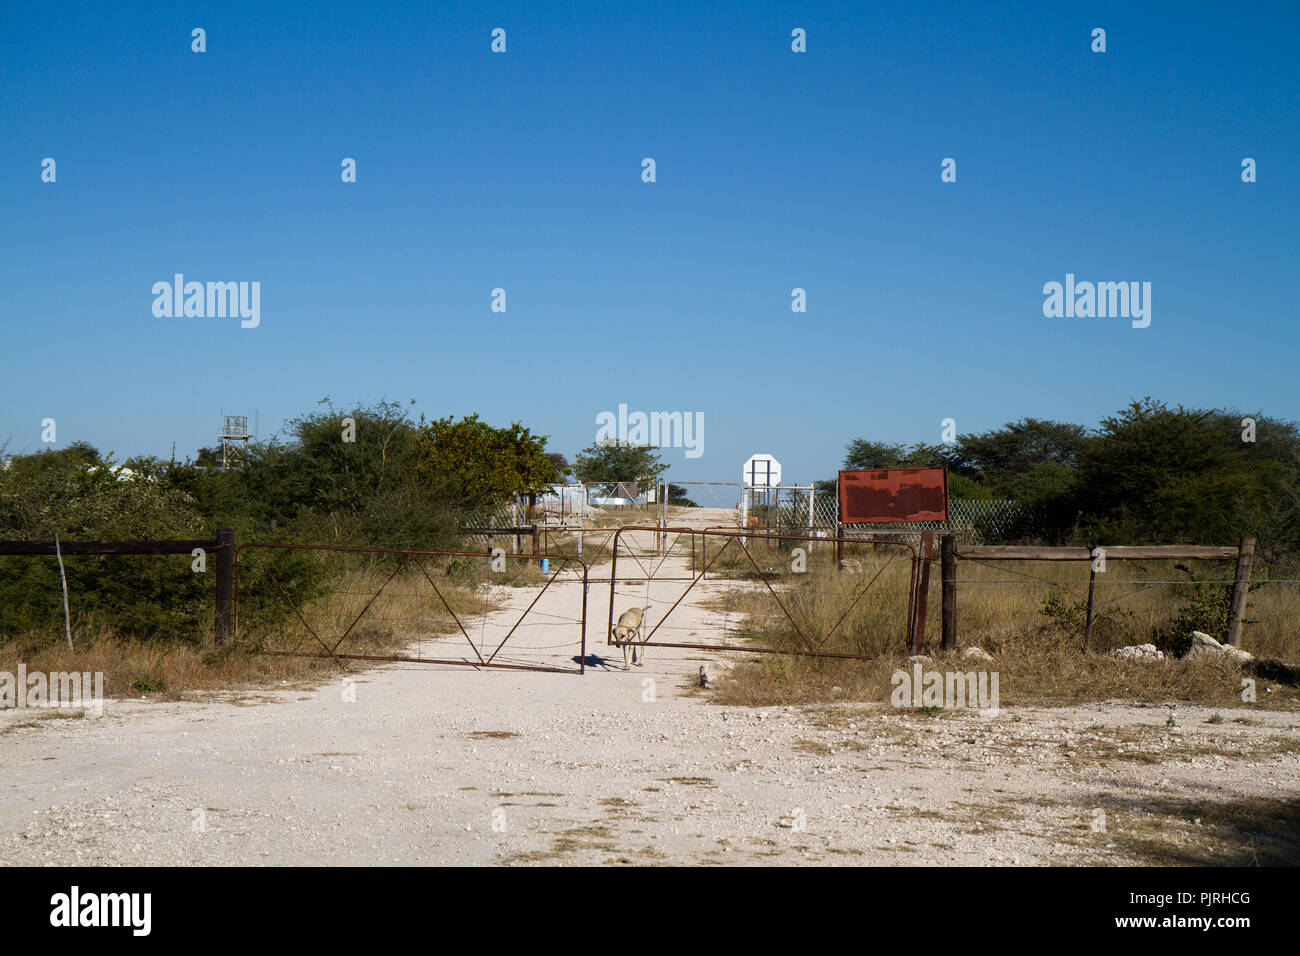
1141, 602
468, 608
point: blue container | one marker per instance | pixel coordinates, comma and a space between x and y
546, 566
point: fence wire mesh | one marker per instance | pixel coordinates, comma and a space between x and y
436, 607
979, 520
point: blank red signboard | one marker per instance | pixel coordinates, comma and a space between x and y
894, 494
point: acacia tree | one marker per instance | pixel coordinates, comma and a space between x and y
861, 454
610, 462
1003, 456
1167, 474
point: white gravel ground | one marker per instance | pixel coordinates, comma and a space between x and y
453, 765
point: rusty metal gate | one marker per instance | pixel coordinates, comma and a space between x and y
649, 555
804, 640
263, 600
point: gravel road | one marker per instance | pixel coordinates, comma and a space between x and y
457, 765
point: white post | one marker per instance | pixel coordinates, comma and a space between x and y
812, 516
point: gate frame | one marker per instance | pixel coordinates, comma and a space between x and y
416, 552
662, 549
912, 603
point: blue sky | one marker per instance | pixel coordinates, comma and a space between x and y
522, 170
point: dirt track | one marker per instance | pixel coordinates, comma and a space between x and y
439, 764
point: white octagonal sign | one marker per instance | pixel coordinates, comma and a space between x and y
762, 471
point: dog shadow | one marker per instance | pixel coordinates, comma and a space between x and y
595, 660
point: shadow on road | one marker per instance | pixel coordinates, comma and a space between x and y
593, 660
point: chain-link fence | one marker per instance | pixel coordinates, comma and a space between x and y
978, 520
505, 515
786, 506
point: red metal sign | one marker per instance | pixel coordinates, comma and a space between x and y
893, 494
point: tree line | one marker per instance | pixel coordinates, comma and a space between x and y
373, 475
1148, 474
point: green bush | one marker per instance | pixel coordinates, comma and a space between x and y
79, 496
391, 482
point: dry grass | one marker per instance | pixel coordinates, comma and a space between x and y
1036, 671
135, 668
1038, 660
1128, 613
863, 613
406, 610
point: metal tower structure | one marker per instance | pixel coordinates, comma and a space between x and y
234, 439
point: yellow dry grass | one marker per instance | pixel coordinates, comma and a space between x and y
1039, 659
405, 610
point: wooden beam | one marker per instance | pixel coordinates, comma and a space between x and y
104, 547
1179, 552
1160, 552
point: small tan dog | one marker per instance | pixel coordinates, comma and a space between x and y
629, 626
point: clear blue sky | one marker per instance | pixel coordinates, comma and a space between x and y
775, 170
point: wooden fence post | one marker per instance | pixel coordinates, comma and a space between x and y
1240, 588
1087, 620
948, 569
225, 582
